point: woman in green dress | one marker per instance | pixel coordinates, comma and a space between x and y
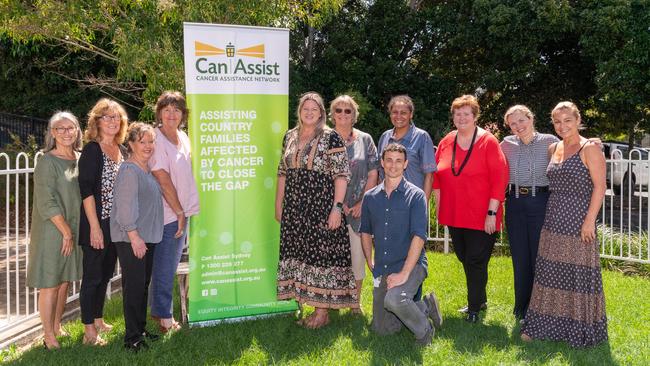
54, 257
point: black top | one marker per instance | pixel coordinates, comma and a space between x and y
91, 165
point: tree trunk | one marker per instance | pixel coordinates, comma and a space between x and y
309, 47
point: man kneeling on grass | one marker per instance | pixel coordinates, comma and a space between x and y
395, 212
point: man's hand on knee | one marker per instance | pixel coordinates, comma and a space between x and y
396, 279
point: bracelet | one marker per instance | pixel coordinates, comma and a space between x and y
69, 238
180, 213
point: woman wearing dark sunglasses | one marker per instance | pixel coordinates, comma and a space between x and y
362, 156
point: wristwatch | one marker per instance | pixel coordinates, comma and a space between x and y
492, 213
338, 206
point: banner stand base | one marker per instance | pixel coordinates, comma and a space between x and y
209, 323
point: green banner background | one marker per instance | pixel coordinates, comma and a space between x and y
234, 241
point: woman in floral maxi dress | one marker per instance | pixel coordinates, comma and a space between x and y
315, 262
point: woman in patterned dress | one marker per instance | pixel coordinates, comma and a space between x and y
315, 265
98, 166
567, 303
362, 156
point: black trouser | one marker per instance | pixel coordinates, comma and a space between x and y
98, 269
524, 220
474, 248
136, 275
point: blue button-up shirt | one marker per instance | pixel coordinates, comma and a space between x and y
394, 221
419, 152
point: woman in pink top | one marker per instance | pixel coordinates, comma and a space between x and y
469, 187
171, 165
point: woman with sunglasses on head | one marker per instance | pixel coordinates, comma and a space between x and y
362, 157
54, 259
98, 166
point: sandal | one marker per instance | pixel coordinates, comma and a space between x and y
51, 347
171, 328
104, 328
62, 333
318, 320
96, 341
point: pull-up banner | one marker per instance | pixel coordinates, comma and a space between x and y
237, 84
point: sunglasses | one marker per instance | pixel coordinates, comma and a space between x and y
339, 110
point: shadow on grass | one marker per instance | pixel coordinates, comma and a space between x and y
539, 351
266, 341
472, 338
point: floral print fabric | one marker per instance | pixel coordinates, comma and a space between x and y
315, 262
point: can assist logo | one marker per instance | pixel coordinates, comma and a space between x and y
205, 66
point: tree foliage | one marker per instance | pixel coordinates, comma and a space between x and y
141, 39
616, 33
592, 52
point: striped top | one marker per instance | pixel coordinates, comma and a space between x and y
528, 162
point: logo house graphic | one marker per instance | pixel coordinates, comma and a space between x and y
204, 49
248, 66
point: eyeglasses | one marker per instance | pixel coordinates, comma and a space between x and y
110, 118
339, 110
62, 130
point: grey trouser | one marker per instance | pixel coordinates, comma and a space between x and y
394, 307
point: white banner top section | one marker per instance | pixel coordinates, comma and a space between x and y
242, 59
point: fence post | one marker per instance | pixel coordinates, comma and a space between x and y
446, 241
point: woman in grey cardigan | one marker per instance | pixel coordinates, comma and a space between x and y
136, 225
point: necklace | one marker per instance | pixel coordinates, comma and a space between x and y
350, 138
469, 152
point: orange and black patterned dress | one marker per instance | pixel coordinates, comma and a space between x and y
315, 262
567, 303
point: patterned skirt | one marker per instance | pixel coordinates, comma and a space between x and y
567, 303
315, 265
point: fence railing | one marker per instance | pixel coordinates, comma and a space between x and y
623, 228
22, 126
18, 302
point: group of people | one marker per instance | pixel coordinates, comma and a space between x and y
330, 178
126, 194
342, 203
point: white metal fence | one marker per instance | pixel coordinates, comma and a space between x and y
623, 227
18, 303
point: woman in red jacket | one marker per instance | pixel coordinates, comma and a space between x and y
469, 187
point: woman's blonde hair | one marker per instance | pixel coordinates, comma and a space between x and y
566, 105
344, 99
98, 111
50, 141
321, 105
136, 132
518, 108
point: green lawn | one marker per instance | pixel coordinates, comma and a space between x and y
348, 341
